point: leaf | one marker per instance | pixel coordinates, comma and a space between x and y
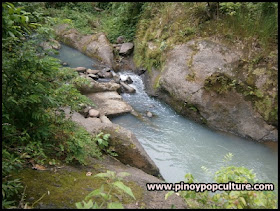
123, 187
115, 205
168, 194
88, 205
102, 175
93, 193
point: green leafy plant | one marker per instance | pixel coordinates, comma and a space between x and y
114, 182
103, 142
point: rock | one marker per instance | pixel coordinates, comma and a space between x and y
65, 64
124, 142
55, 44
127, 88
95, 46
127, 80
81, 69
108, 75
93, 113
117, 78
149, 114
51, 44
99, 87
107, 69
105, 74
126, 48
110, 103
120, 39
85, 111
105, 119
90, 71
140, 71
94, 77
228, 111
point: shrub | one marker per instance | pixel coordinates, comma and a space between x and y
230, 199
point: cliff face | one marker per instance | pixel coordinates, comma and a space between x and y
228, 87
201, 79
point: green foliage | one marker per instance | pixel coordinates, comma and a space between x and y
229, 199
114, 182
103, 142
15, 21
34, 90
122, 20
10, 187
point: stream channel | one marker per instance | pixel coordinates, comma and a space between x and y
178, 145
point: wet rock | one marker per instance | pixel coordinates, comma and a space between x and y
126, 49
127, 88
93, 113
127, 80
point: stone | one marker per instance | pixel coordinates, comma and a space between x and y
149, 114
90, 71
65, 64
120, 39
117, 78
81, 69
110, 103
128, 80
105, 119
93, 113
126, 49
127, 88
94, 77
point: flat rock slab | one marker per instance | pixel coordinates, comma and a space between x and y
110, 103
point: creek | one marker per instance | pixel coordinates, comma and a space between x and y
178, 145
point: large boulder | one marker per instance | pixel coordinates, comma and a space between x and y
96, 46
201, 79
124, 142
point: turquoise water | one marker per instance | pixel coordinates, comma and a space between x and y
178, 145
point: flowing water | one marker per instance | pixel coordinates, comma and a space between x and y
178, 145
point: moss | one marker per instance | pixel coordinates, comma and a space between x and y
219, 83
65, 188
190, 77
157, 80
